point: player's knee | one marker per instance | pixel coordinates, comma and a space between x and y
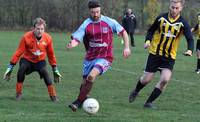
48, 83
163, 83
198, 55
90, 78
47, 79
43, 72
145, 80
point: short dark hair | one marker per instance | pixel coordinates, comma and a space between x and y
93, 4
178, 1
39, 21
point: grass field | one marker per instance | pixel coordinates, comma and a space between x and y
179, 103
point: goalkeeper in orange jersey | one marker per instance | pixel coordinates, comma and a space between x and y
197, 28
33, 48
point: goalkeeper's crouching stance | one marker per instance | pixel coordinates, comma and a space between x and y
32, 51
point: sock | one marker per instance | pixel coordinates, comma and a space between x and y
85, 89
82, 84
51, 90
81, 87
19, 87
155, 94
139, 86
198, 63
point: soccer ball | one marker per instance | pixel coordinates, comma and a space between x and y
91, 106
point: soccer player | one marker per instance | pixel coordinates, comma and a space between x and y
162, 39
197, 28
97, 33
129, 24
33, 48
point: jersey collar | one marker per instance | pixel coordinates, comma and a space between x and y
172, 19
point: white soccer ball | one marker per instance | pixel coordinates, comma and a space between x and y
91, 106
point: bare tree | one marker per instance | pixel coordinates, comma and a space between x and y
68, 14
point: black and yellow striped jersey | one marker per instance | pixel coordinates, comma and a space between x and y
164, 35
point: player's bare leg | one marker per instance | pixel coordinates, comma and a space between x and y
160, 86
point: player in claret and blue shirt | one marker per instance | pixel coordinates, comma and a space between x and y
97, 34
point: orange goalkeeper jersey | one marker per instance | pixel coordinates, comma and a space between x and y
33, 50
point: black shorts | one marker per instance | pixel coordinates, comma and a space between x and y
156, 63
198, 45
31, 67
26, 67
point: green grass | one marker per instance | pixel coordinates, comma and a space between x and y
179, 103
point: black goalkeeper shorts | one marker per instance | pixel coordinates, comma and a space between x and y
26, 67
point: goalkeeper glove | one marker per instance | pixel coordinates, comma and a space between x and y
7, 74
188, 53
56, 74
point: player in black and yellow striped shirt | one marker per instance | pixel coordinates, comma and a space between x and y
197, 28
162, 39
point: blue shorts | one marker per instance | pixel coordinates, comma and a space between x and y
101, 64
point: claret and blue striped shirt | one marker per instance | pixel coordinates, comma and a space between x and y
98, 37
